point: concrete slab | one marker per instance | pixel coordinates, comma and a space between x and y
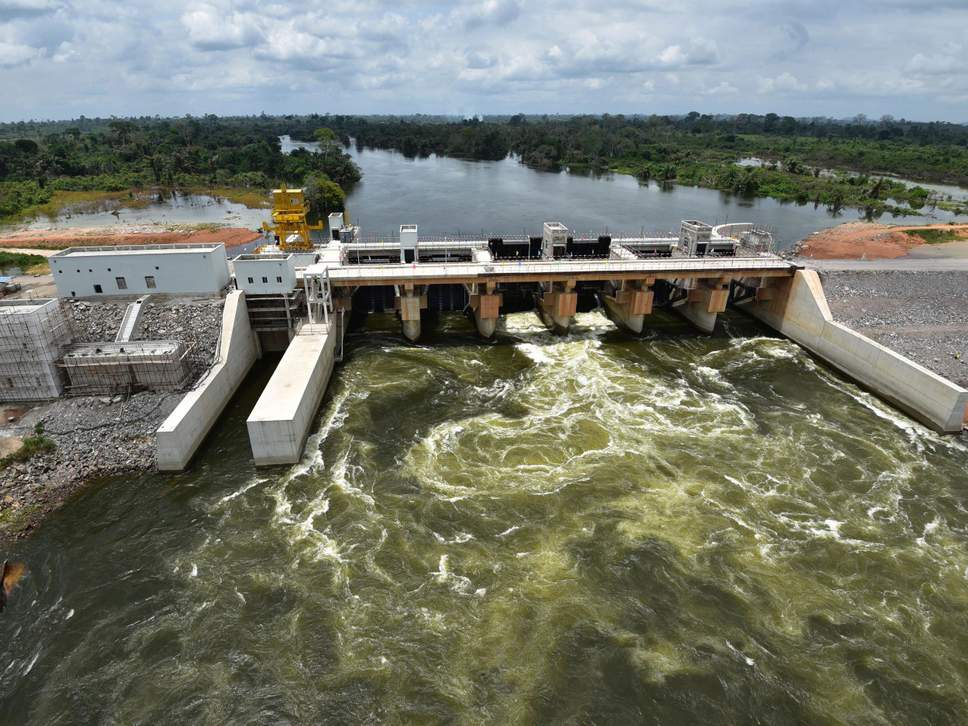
279, 423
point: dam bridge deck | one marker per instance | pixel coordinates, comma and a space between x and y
470, 273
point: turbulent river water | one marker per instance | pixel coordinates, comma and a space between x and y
589, 529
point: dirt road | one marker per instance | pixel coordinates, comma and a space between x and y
58, 239
866, 240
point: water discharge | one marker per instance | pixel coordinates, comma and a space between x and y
594, 528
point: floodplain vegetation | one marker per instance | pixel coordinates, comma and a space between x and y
47, 167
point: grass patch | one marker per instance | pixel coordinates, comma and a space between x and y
64, 202
938, 236
32, 264
251, 198
32, 445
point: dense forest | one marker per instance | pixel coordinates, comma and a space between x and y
44, 161
821, 161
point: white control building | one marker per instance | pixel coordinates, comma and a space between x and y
189, 269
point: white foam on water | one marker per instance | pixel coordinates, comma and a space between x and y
457, 583
242, 490
31, 664
929, 528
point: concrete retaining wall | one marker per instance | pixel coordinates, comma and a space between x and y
179, 437
279, 423
799, 310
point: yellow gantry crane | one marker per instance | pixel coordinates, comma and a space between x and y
289, 223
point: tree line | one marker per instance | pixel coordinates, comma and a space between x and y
39, 159
835, 163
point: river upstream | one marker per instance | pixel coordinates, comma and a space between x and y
588, 529
446, 196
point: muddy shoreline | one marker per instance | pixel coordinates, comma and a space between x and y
57, 239
871, 241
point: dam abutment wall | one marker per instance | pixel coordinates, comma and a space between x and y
797, 308
180, 435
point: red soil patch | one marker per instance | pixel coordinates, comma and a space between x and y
865, 240
63, 238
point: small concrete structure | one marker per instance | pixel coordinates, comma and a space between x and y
109, 368
266, 274
188, 269
797, 308
33, 336
279, 423
131, 322
553, 234
408, 243
180, 435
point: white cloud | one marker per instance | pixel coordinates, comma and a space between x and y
16, 54
805, 57
489, 12
783, 83
952, 58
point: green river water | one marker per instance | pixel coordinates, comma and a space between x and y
589, 529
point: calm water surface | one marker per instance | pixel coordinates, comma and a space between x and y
588, 529
451, 196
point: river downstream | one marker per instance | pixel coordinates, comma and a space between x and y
593, 528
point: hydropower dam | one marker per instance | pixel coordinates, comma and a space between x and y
696, 275
674, 527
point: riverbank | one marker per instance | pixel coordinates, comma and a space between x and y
97, 436
873, 241
61, 238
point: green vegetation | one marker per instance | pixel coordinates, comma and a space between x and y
938, 236
35, 443
323, 196
24, 262
47, 166
701, 150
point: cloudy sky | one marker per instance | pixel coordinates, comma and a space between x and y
63, 58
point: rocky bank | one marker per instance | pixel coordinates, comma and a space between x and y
99, 436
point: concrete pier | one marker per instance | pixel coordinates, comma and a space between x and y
630, 304
178, 438
559, 303
797, 307
486, 305
703, 303
279, 423
410, 301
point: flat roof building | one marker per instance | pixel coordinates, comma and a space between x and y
266, 274
188, 269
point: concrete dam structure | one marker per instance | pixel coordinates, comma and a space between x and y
696, 274
299, 299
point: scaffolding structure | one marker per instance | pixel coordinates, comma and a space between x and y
123, 368
33, 336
